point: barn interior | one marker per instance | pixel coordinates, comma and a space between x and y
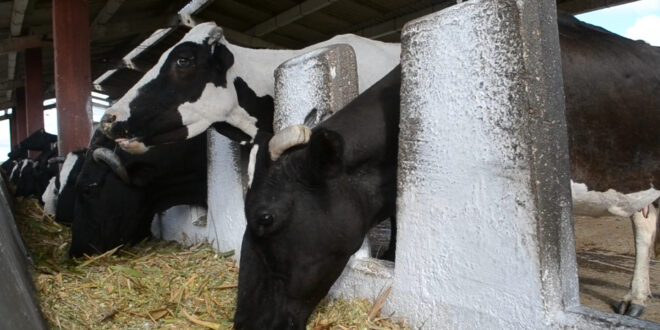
126, 38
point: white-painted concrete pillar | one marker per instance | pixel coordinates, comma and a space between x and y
474, 154
226, 190
326, 80
223, 223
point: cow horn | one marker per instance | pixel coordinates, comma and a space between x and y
215, 35
111, 159
287, 138
58, 159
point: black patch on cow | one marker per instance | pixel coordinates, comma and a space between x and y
224, 59
260, 107
230, 131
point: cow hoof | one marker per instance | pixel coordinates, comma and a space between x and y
635, 310
626, 308
623, 306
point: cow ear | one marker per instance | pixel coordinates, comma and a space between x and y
325, 152
223, 60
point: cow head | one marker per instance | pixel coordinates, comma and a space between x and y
303, 214
190, 88
107, 209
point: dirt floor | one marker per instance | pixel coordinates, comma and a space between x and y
605, 257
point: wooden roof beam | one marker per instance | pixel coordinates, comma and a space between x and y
18, 16
10, 84
110, 8
15, 27
395, 24
17, 44
288, 16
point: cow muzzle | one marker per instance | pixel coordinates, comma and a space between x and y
107, 121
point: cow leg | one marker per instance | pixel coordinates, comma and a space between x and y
644, 226
391, 250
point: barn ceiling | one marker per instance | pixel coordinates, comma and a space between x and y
119, 26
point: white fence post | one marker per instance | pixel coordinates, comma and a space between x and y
324, 79
482, 132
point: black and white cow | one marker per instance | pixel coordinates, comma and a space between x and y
39, 140
31, 176
111, 197
205, 81
310, 209
59, 196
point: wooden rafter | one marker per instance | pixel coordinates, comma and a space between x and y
111, 6
288, 16
17, 44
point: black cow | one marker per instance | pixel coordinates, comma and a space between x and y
308, 211
117, 194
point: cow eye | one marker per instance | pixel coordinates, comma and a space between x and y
184, 62
89, 188
265, 219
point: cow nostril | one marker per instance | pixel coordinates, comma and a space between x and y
108, 118
265, 219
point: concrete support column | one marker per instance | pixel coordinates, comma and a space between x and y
20, 114
324, 79
226, 190
34, 90
483, 170
72, 74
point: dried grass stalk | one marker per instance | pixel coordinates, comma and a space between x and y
154, 284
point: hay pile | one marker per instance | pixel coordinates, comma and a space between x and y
154, 284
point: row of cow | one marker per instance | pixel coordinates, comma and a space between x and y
109, 197
344, 176
31, 176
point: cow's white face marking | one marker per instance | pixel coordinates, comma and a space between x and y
595, 203
50, 197
14, 171
252, 163
67, 166
216, 104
